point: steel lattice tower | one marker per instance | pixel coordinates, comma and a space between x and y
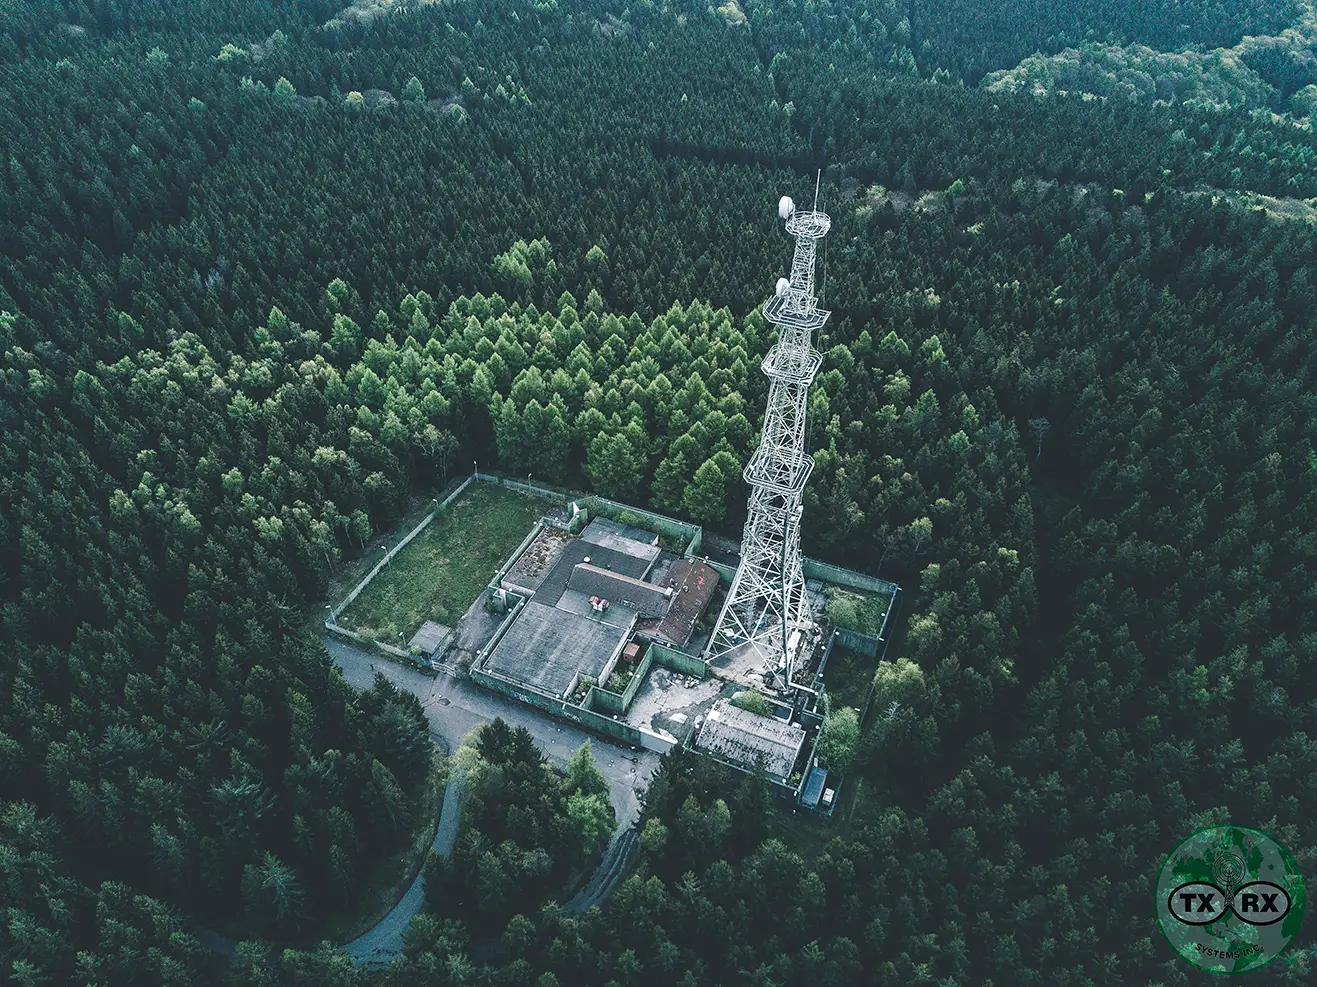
766, 610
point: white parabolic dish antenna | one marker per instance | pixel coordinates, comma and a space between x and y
785, 207
782, 285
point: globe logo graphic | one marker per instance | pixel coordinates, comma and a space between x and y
1230, 899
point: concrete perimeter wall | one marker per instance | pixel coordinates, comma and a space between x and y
606, 725
865, 644
602, 700
689, 534
678, 661
331, 623
835, 574
515, 557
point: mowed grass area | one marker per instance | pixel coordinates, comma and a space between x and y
445, 567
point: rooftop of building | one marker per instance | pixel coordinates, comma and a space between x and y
693, 585
814, 788
575, 552
742, 737
618, 589
546, 648
625, 538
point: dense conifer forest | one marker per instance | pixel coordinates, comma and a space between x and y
270, 271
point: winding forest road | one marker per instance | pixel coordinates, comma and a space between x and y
453, 708
381, 944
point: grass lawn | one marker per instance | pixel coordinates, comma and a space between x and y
857, 611
445, 567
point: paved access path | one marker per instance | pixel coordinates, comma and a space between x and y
382, 943
454, 707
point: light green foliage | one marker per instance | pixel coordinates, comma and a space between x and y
285, 91
1216, 78
855, 610
705, 500
753, 702
653, 837
901, 681
232, 53
583, 774
614, 465
518, 268
839, 738
593, 819
413, 91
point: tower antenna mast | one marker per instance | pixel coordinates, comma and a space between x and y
765, 623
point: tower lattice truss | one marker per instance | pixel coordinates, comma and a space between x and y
766, 615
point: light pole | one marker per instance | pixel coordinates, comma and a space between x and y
476, 467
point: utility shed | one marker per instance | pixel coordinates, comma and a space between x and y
814, 788
742, 737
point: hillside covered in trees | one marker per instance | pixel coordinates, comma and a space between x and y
270, 271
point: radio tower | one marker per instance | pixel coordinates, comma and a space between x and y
766, 616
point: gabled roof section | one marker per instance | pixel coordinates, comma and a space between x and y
644, 598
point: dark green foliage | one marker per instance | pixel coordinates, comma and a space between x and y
1067, 402
970, 37
524, 830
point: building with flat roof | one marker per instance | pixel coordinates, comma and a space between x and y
582, 613
646, 599
814, 788
744, 738
625, 538
548, 649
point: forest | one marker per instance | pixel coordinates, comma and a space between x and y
271, 272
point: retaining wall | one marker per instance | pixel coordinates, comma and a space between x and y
615, 702
865, 644
676, 660
516, 555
